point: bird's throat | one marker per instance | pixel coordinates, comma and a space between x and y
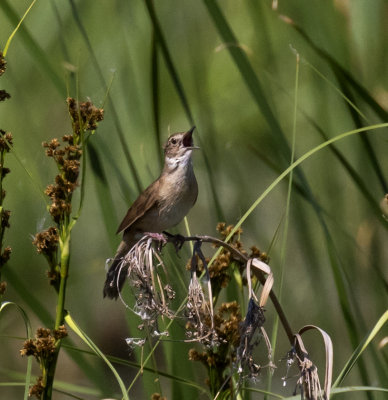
178, 164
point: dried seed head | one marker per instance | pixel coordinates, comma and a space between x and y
71, 170
308, 381
37, 389
60, 333
146, 273
85, 116
227, 323
384, 206
3, 64
195, 310
5, 214
5, 140
46, 242
250, 335
158, 396
3, 287
42, 347
5, 255
226, 230
4, 95
256, 253
28, 348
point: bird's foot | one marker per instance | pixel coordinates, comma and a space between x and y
177, 240
158, 237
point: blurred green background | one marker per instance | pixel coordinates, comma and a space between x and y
236, 65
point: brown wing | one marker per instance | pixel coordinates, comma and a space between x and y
141, 205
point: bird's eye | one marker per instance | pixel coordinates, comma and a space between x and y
173, 141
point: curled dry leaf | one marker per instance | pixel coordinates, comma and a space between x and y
309, 379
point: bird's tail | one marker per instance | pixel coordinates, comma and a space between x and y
117, 272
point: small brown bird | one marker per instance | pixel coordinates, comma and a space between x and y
161, 206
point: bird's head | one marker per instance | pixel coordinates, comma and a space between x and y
179, 147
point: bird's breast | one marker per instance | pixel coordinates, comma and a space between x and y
178, 194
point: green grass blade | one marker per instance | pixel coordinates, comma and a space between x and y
76, 329
360, 349
40, 310
155, 97
59, 386
345, 80
32, 46
248, 74
104, 194
159, 37
339, 279
277, 169
265, 392
364, 188
27, 324
115, 116
29, 297
345, 296
61, 37
170, 65
254, 87
137, 366
351, 389
348, 389
340, 92
363, 93
98, 165
34, 182
17, 28
283, 248
293, 166
364, 138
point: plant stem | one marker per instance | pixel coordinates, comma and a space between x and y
60, 315
65, 262
2, 229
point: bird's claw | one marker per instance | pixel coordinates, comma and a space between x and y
158, 237
177, 240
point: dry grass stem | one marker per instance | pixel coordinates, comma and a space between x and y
308, 380
152, 297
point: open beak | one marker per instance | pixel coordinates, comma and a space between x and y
188, 140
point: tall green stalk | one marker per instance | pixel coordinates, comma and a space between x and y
5, 147
60, 312
54, 242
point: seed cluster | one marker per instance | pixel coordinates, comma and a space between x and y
5, 146
3, 64
42, 347
229, 339
227, 322
46, 243
85, 117
67, 155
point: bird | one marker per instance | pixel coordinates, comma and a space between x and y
161, 206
